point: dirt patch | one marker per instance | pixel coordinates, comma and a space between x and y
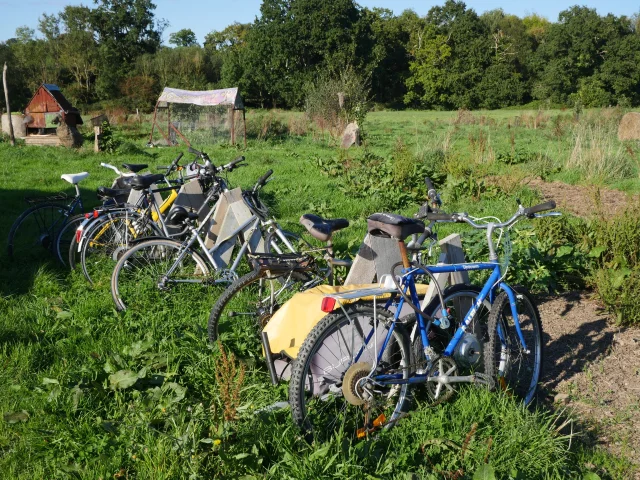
593, 367
579, 199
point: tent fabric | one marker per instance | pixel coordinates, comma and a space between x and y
225, 96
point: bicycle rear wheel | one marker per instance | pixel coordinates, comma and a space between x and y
34, 233
331, 389
66, 236
158, 273
515, 367
245, 307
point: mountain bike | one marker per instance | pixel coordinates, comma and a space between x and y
162, 268
251, 301
355, 369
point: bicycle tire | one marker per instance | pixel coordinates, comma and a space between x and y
259, 318
66, 236
142, 289
42, 233
312, 401
108, 239
273, 243
514, 369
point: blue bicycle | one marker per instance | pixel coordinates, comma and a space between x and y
354, 370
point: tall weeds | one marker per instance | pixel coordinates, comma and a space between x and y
597, 154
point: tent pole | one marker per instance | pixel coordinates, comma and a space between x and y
244, 121
169, 123
233, 126
153, 124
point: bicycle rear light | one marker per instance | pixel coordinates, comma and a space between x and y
328, 304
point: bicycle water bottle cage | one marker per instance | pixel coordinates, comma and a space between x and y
322, 228
279, 263
390, 225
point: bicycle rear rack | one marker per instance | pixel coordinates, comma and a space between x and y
58, 197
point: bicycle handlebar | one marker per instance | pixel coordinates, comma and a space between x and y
464, 217
234, 163
262, 180
550, 205
108, 165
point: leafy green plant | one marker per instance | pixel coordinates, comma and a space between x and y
106, 141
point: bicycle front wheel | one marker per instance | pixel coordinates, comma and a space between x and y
337, 385
34, 233
108, 239
158, 272
516, 367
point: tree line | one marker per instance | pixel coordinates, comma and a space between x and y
452, 58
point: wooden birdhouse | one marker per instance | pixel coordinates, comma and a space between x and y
47, 110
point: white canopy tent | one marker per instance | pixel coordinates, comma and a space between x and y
202, 111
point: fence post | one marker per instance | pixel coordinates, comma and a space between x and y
6, 98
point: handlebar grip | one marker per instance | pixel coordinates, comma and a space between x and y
440, 217
262, 180
233, 163
175, 162
540, 208
429, 184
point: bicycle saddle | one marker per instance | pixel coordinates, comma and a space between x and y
140, 182
111, 192
74, 178
135, 167
179, 214
390, 225
322, 228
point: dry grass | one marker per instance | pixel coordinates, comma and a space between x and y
597, 154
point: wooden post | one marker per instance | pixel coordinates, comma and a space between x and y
6, 98
97, 132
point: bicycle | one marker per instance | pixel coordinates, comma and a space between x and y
252, 300
118, 193
164, 265
37, 229
108, 232
355, 368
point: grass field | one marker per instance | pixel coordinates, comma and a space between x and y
64, 348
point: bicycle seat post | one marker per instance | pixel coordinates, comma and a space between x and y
403, 253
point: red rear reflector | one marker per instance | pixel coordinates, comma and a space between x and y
95, 214
328, 304
78, 235
87, 215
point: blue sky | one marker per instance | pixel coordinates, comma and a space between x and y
202, 16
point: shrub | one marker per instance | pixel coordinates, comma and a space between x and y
334, 101
264, 125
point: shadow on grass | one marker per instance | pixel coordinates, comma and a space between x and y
17, 275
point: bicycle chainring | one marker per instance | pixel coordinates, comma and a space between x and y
441, 367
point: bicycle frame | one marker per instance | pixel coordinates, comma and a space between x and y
489, 289
254, 222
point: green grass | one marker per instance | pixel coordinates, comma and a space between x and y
62, 343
